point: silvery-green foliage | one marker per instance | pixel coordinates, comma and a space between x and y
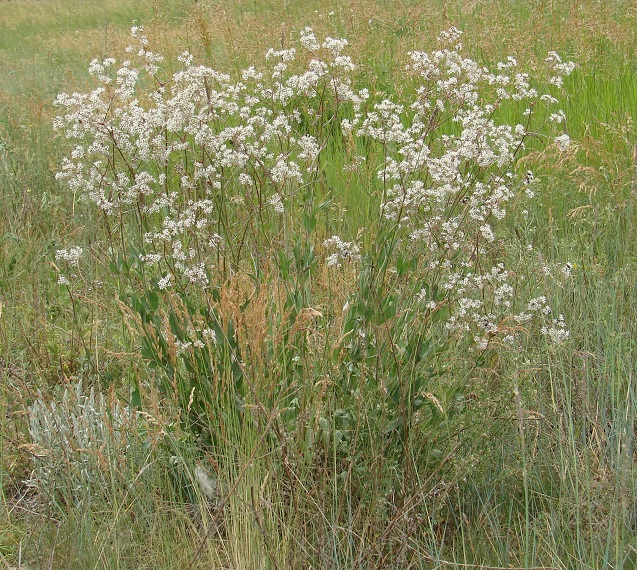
86, 444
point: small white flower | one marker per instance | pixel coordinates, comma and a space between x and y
71, 255
563, 142
277, 203
558, 117
345, 251
164, 282
210, 334
566, 269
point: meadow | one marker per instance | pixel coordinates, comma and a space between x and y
270, 299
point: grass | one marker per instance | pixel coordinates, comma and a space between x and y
542, 479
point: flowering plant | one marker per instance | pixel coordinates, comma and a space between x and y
202, 177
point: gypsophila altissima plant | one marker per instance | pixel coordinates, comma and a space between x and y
437, 275
202, 176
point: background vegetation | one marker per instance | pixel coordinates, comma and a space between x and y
526, 460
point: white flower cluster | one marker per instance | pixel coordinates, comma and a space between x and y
448, 192
557, 332
71, 255
176, 154
559, 68
563, 142
345, 251
197, 335
277, 203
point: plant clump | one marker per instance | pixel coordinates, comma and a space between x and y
206, 180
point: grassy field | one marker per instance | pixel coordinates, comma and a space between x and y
326, 418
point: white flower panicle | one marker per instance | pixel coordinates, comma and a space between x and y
563, 142
71, 258
71, 255
557, 331
180, 152
559, 68
449, 197
277, 203
345, 251
234, 134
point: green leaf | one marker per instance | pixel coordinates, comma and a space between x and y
153, 300
309, 222
175, 328
388, 309
404, 265
284, 264
135, 398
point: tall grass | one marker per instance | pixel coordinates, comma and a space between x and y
530, 463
